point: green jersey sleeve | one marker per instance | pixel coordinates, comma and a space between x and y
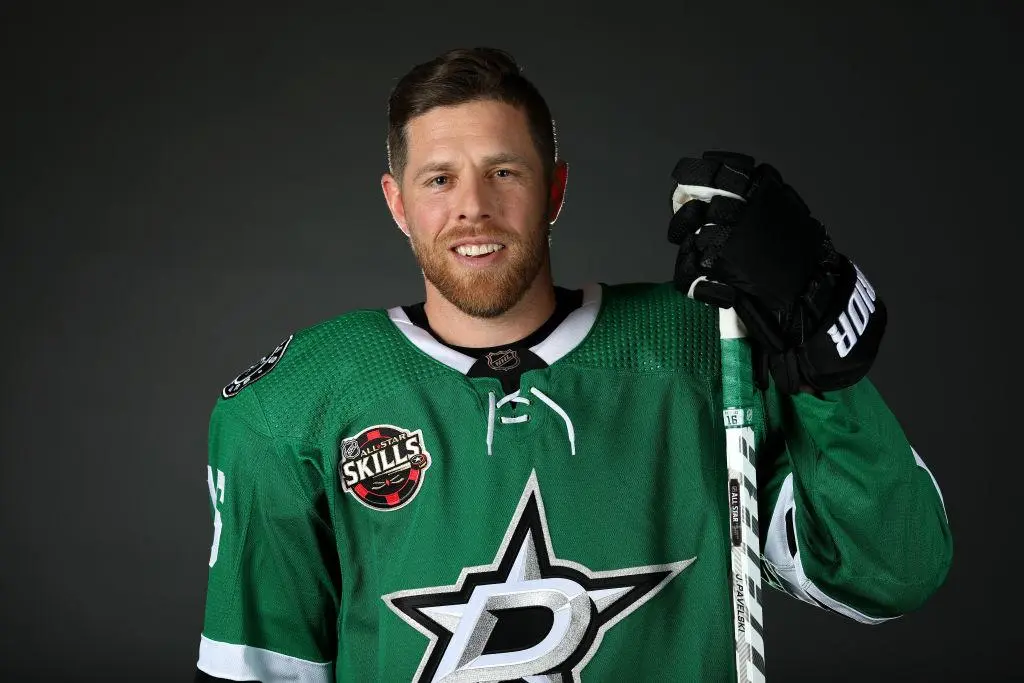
272, 593
857, 521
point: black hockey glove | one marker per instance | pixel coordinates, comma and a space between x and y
751, 243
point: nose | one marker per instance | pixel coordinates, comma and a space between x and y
474, 201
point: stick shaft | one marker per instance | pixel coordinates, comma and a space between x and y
738, 406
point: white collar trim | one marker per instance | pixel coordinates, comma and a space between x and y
563, 339
571, 331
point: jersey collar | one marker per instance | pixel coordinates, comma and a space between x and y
563, 339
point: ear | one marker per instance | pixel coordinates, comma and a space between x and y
556, 193
393, 196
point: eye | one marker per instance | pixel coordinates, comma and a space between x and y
438, 181
504, 173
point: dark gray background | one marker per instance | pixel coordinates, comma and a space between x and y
184, 187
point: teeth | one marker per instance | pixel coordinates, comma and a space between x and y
478, 249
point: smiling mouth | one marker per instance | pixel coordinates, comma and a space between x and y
476, 250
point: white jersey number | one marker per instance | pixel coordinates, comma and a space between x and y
217, 524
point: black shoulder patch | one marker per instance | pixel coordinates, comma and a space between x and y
257, 370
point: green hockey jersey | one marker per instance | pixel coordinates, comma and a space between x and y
381, 514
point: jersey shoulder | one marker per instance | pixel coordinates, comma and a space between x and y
651, 327
348, 360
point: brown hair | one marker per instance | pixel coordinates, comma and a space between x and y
466, 75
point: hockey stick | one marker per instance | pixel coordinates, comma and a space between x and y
741, 460
738, 394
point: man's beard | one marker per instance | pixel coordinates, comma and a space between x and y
487, 292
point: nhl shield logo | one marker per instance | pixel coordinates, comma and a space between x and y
506, 359
349, 449
383, 466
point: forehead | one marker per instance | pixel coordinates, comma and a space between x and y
483, 126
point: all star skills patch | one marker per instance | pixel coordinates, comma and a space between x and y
383, 466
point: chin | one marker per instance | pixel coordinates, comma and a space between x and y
485, 302
488, 292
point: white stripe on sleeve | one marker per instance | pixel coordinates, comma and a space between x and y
788, 567
246, 663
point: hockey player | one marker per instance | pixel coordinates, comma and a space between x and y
514, 481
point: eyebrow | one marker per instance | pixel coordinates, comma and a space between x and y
490, 160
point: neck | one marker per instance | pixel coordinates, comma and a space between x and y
457, 328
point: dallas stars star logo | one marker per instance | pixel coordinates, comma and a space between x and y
528, 616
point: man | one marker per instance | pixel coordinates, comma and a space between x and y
516, 481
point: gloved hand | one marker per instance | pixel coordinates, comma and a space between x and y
746, 240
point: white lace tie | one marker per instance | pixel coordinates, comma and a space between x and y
514, 397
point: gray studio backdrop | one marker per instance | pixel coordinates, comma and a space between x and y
184, 187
